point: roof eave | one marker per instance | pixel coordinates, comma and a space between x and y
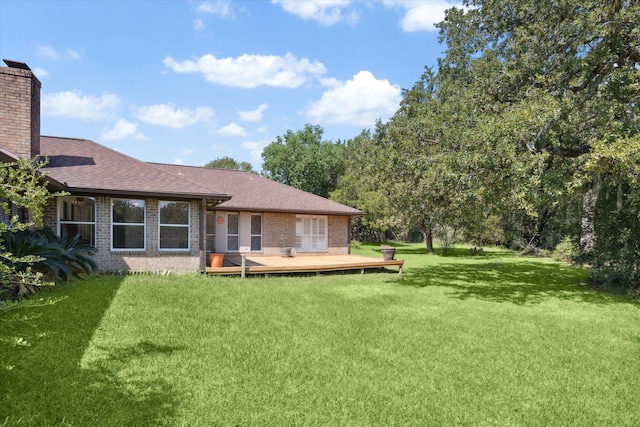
294, 211
115, 192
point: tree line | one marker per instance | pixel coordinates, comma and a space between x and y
526, 134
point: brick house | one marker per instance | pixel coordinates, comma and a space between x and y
148, 216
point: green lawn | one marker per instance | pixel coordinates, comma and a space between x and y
457, 340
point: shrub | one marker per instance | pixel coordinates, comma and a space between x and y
476, 251
616, 278
567, 250
40, 254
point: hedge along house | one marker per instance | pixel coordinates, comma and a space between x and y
148, 216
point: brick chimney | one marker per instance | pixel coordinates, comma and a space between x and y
19, 109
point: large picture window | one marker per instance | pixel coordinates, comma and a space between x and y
77, 215
311, 233
128, 224
174, 225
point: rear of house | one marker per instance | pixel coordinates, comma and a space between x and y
148, 216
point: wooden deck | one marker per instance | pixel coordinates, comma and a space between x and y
301, 264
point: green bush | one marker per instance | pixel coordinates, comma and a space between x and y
39, 254
567, 250
616, 278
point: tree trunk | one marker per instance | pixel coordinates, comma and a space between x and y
427, 237
588, 228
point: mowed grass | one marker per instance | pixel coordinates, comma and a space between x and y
457, 340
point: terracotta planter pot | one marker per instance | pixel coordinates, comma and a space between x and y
216, 260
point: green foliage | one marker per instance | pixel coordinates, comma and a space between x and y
229, 163
362, 190
567, 250
43, 253
22, 186
546, 97
303, 160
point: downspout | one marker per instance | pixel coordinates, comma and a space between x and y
201, 240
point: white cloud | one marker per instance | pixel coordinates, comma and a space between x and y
170, 116
358, 102
423, 15
256, 148
77, 106
187, 152
232, 129
51, 53
330, 82
198, 25
326, 12
47, 52
121, 130
72, 54
250, 71
219, 7
253, 115
177, 161
40, 73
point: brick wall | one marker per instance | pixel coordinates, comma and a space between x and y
280, 230
150, 259
338, 234
19, 112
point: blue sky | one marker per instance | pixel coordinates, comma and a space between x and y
187, 82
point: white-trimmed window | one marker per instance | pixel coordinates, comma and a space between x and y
174, 226
233, 232
77, 215
311, 233
256, 232
128, 224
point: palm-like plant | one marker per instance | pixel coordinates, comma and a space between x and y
76, 257
58, 258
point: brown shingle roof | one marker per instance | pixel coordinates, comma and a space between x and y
251, 192
7, 156
84, 166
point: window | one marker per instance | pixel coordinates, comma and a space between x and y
256, 232
311, 233
210, 218
174, 225
78, 216
233, 228
128, 224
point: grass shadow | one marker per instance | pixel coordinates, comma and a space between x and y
520, 282
42, 381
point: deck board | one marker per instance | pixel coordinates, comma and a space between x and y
304, 264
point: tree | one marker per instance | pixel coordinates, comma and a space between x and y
556, 86
303, 160
406, 161
229, 163
357, 189
21, 187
